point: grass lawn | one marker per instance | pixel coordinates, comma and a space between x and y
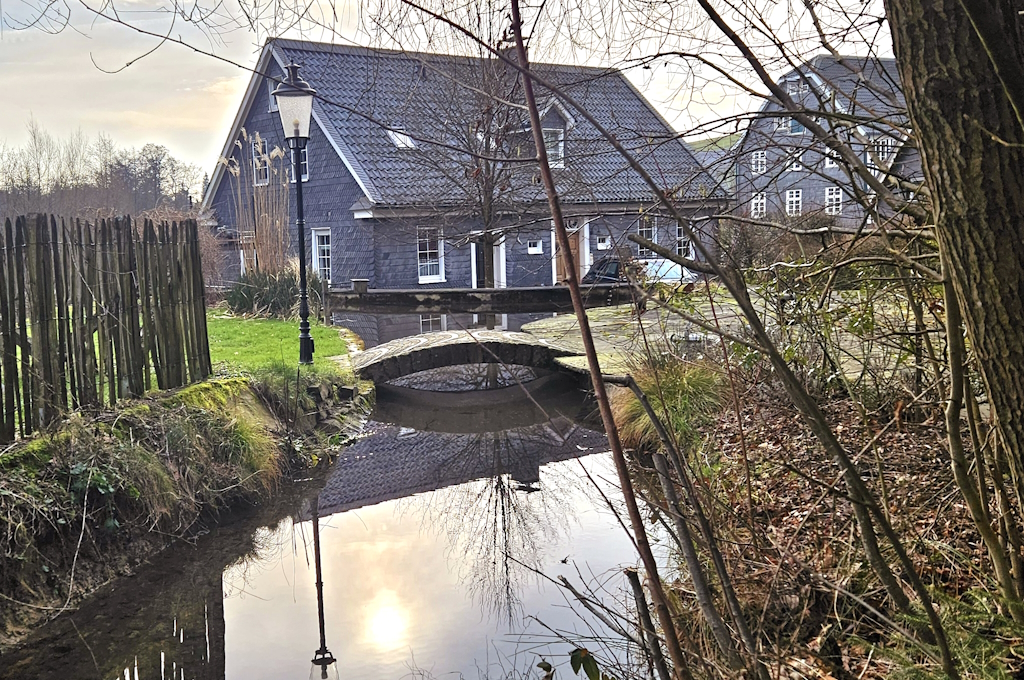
253, 343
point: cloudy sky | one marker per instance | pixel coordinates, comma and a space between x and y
77, 78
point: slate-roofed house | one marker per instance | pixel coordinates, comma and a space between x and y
417, 162
783, 172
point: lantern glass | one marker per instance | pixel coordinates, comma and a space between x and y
295, 108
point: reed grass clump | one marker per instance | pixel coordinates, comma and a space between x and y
684, 395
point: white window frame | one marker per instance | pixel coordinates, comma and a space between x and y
271, 86
316, 256
833, 201
430, 278
681, 240
831, 159
758, 162
792, 122
883, 148
440, 319
794, 202
794, 159
554, 144
604, 243
260, 162
758, 205
535, 246
646, 223
303, 165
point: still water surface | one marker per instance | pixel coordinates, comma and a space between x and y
429, 538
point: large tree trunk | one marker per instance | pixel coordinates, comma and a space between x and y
972, 149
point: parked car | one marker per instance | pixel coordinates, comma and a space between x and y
614, 269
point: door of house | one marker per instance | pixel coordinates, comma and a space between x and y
574, 248
479, 280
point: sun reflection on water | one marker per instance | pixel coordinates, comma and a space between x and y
387, 621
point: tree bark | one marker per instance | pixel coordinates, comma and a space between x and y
972, 152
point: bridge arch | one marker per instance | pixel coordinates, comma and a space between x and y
423, 352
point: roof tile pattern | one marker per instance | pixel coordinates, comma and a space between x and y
363, 92
393, 462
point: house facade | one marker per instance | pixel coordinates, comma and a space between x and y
420, 170
784, 174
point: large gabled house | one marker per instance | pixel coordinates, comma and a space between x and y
783, 173
419, 163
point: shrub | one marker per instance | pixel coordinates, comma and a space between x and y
683, 395
275, 295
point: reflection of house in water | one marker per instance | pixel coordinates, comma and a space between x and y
395, 462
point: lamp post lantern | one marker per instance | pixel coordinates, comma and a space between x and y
295, 105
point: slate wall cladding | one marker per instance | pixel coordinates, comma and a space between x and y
840, 88
396, 258
328, 196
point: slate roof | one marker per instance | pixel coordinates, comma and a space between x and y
415, 92
393, 462
871, 84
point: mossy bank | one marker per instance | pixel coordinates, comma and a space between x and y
106, 490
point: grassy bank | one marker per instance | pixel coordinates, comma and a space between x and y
248, 344
103, 490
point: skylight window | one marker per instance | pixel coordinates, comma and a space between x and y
401, 140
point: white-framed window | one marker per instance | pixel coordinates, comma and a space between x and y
303, 165
554, 144
271, 86
647, 228
794, 159
401, 140
794, 127
796, 85
535, 247
430, 254
833, 201
883, 148
604, 243
758, 162
758, 205
322, 253
260, 162
794, 202
831, 158
684, 247
432, 323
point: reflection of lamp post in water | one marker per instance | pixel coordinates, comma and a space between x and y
322, 657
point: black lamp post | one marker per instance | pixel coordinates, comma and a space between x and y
295, 104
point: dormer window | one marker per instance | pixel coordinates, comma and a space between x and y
401, 140
554, 144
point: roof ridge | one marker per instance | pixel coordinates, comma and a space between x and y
416, 54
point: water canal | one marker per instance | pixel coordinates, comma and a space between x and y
433, 527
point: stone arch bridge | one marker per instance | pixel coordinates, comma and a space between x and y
423, 352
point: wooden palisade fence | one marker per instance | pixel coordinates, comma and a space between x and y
94, 313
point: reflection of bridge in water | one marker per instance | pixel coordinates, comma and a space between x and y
427, 351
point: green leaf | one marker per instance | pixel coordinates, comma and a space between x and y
590, 668
576, 659
544, 666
